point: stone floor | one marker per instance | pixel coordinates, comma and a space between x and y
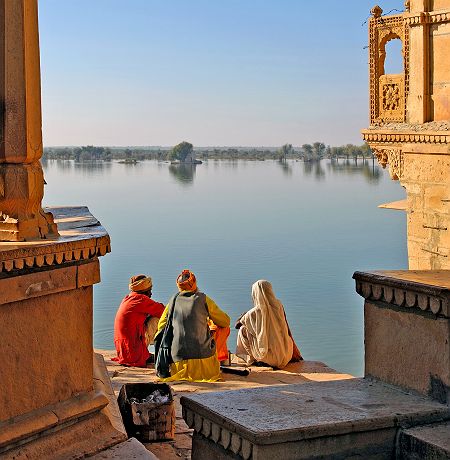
180, 448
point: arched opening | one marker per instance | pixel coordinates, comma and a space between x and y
393, 57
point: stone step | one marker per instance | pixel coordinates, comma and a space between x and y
431, 442
357, 418
130, 449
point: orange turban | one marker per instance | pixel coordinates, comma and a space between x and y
140, 283
186, 281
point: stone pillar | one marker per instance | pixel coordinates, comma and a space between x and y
21, 177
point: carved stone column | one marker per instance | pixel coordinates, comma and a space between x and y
21, 177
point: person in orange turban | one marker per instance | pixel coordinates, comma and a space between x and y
199, 332
136, 319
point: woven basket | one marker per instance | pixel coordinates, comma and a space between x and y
147, 421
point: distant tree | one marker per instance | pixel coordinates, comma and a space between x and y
77, 154
284, 151
319, 150
307, 152
181, 151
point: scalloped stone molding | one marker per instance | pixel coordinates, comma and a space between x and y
219, 435
402, 292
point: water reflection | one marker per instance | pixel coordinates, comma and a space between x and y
285, 167
89, 168
314, 167
367, 168
183, 173
93, 168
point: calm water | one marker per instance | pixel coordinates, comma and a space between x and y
304, 227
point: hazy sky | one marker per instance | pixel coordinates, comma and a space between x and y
229, 72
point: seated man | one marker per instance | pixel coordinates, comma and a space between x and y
137, 314
193, 331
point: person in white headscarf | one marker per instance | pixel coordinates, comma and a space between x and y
264, 335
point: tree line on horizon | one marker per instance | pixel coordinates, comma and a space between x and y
307, 152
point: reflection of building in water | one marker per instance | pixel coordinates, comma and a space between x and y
410, 122
183, 172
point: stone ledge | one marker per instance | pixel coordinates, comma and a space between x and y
396, 137
26, 428
427, 291
49, 281
81, 238
244, 420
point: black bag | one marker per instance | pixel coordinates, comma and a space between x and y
163, 345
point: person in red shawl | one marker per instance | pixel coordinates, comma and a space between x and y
136, 319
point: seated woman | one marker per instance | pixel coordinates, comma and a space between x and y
264, 335
185, 334
136, 321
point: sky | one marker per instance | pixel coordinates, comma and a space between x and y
211, 72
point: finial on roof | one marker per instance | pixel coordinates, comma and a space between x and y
407, 5
376, 11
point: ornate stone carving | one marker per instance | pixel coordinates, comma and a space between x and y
388, 136
393, 158
391, 97
407, 5
387, 92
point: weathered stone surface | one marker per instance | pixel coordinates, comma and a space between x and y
352, 417
407, 350
48, 342
430, 442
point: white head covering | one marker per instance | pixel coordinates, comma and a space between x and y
267, 327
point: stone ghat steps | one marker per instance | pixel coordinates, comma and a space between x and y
426, 442
341, 419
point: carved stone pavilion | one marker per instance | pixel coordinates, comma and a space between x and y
401, 408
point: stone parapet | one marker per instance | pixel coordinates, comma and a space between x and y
407, 329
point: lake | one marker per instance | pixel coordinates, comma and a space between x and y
305, 227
